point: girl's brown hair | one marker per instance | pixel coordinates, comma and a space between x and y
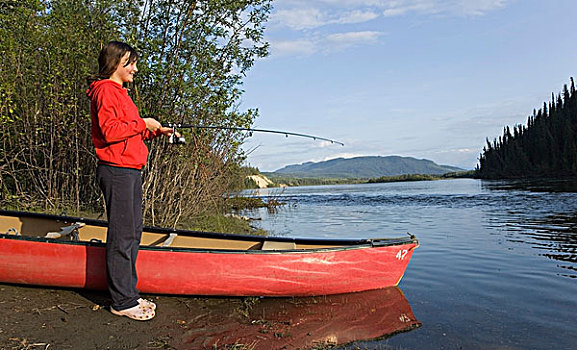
110, 57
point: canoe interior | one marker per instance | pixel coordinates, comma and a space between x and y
40, 225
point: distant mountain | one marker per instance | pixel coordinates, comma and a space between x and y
365, 167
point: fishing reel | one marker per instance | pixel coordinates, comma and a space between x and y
176, 140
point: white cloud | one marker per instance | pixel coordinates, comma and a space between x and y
343, 41
393, 12
344, 155
314, 25
306, 15
326, 44
445, 7
299, 19
354, 37
356, 16
458, 150
398, 8
314, 17
325, 144
301, 47
479, 7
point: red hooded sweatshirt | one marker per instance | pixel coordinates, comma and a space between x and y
118, 132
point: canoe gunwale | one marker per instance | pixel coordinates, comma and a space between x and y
400, 241
343, 244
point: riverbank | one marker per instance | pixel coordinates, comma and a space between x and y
45, 318
290, 181
34, 318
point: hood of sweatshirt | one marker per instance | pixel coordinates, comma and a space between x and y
98, 84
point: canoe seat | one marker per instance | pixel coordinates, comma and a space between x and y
274, 245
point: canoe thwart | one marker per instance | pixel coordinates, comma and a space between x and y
275, 245
165, 241
169, 239
67, 231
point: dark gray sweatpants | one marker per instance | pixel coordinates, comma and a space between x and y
122, 189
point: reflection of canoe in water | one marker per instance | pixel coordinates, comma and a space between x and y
69, 252
300, 323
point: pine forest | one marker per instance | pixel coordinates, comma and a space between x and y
545, 147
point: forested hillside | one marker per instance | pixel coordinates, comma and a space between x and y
545, 147
365, 167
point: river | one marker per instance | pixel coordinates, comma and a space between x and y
497, 265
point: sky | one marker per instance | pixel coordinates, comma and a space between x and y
430, 79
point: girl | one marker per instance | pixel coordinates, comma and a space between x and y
118, 135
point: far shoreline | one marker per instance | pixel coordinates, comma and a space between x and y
279, 181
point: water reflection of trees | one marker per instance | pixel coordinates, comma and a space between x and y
533, 185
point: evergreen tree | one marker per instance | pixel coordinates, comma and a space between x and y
547, 146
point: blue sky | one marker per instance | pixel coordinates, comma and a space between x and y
421, 78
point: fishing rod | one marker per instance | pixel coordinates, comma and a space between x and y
177, 140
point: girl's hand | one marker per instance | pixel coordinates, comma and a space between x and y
168, 132
153, 124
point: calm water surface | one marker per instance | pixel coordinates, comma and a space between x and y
497, 266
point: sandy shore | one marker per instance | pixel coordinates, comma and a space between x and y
261, 180
40, 318
34, 318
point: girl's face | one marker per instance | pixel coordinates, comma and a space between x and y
124, 72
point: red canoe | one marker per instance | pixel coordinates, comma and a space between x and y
48, 250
